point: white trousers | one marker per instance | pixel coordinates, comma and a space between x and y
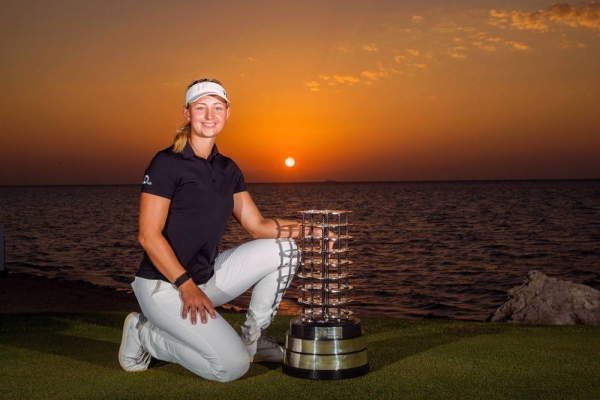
214, 350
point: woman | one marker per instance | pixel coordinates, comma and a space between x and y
188, 193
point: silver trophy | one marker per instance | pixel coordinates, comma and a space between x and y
325, 341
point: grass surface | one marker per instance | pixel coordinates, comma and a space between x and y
64, 356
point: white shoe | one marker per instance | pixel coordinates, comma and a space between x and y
132, 355
267, 350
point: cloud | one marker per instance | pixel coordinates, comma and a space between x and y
458, 52
370, 47
374, 76
327, 79
458, 55
417, 18
481, 41
570, 44
529, 21
484, 46
371, 76
412, 52
345, 79
500, 15
583, 14
451, 28
313, 86
518, 46
381, 72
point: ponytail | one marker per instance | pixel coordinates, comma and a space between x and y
181, 137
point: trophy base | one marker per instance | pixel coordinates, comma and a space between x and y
325, 350
324, 374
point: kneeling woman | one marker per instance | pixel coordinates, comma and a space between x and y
189, 191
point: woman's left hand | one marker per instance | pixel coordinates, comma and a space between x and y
195, 302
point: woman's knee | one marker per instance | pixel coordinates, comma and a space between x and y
233, 370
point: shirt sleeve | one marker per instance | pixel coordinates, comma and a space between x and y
240, 185
159, 177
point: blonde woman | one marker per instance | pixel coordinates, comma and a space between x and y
189, 191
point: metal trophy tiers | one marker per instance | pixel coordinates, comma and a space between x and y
325, 341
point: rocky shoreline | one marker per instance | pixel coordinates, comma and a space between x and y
544, 300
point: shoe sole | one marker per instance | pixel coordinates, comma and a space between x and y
270, 361
123, 340
274, 359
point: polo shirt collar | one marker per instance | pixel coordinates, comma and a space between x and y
188, 152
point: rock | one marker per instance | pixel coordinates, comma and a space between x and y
548, 301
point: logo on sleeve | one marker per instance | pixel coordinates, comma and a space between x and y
146, 180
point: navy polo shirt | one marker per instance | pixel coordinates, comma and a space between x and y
201, 193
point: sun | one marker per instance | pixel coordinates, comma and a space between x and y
290, 162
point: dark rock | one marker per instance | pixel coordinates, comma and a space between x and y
548, 301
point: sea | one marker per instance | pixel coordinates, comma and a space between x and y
431, 250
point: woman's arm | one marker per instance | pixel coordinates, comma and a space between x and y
153, 216
248, 215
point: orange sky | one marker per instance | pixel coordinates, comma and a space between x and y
353, 90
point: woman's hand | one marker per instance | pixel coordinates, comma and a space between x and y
195, 302
317, 232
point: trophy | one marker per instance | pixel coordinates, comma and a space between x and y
325, 341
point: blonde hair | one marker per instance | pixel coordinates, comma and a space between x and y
184, 131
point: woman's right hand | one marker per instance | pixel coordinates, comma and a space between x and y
195, 302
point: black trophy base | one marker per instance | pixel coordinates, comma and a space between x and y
324, 374
325, 350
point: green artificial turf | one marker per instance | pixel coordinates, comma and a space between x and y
65, 356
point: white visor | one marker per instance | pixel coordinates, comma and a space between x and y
203, 89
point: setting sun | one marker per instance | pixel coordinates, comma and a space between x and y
290, 162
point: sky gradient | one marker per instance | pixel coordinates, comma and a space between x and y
353, 90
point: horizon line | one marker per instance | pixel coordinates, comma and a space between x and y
327, 181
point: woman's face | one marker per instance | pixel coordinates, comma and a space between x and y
207, 116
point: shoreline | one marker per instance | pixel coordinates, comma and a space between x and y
26, 293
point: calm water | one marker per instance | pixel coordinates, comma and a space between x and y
423, 250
